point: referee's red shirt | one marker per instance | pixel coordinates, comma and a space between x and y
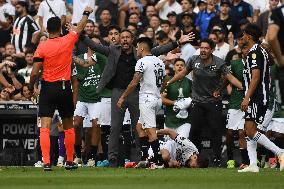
57, 57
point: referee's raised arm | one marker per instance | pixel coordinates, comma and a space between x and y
81, 25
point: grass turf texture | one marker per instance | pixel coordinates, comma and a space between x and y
30, 178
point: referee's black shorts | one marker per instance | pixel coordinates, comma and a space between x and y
56, 95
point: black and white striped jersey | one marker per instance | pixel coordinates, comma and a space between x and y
257, 58
23, 30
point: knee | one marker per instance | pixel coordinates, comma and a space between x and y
95, 122
140, 130
152, 135
242, 134
250, 133
165, 155
229, 132
77, 123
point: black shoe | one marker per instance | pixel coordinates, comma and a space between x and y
113, 163
71, 165
47, 167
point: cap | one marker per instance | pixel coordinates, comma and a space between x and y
201, 1
225, 2
172, 13
187, 14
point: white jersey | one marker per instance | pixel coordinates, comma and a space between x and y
58, 7
185, 149
180, 149
78, 9
153, 70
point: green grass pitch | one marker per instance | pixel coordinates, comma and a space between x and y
105, 178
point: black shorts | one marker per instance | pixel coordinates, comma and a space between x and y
255, 112
56, 95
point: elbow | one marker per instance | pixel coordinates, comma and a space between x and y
271, 38
33, 75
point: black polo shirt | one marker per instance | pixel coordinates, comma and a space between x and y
125, 70
206, 78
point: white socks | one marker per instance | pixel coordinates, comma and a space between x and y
251, 148
264, 141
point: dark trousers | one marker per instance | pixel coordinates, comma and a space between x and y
54, 149
207, 116
117, 117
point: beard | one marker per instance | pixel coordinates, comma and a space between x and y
18, 13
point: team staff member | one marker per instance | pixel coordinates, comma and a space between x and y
256, 82
208, 72
55, 58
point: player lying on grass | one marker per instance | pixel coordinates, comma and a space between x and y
177, 152
180, 151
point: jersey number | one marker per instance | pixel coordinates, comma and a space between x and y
159, 77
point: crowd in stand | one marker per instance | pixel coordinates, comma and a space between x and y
23, 26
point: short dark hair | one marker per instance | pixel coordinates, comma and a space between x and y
23, 4
209, 42
132, 24
90, 22
254, 31
53, 24
105, 9
127, 30
155, 15
29, 51
160, 35
115, 27
202, 160
192, 2
134, 13
179, 59
147, 41
165, 22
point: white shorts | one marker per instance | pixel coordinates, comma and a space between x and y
171, 147
84, 109
148, 109
235, 119
105, 112
267, 119
87, 122
182, 130
277, 125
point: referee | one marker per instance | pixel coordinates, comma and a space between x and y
256, 82
208, 72
54, 56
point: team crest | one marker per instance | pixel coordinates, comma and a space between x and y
197, 65
253, 56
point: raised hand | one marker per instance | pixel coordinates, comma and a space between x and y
186, 38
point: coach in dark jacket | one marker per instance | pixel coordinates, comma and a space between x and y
117, 74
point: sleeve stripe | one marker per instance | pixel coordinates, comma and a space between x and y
36, 59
